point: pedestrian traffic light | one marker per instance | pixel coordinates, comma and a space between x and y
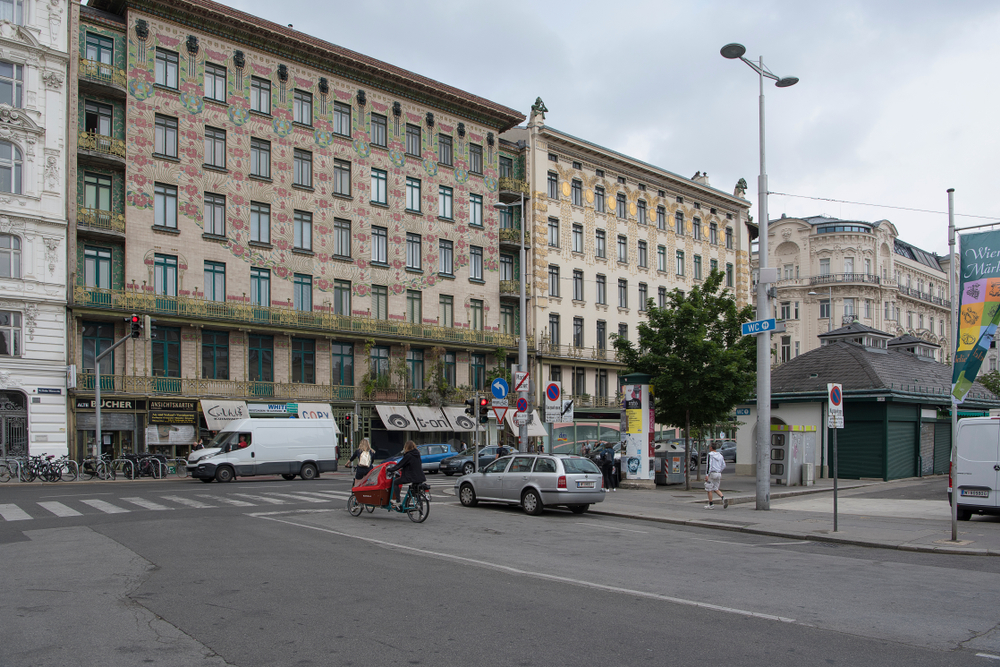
484, 411
470, 407
136, 325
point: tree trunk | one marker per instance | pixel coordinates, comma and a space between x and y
687, 450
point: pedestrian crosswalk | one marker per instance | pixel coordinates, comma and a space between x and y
75, 507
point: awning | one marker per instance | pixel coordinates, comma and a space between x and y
396, 417
460, 421
317, 411
220, 413
535, 428
429, 419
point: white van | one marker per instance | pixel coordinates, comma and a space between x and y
977, 470
286, 447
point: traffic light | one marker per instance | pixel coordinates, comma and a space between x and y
135, 322
347, 421
470, 407
484, 411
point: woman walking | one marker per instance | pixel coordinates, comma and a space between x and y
365, 457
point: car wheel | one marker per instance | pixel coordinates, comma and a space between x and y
288, 476
468, 469
207, 480
531, 503
224, 474
964, 514
309, 471
467, 496
354, 507
578, 509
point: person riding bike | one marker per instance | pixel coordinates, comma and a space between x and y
410, 470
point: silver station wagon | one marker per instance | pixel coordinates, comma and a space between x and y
534, 481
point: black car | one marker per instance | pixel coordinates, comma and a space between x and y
463, 464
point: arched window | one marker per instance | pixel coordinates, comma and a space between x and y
10, 256
10, 168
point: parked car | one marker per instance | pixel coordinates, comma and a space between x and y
534, 481
464, 463
430, 456
727, 448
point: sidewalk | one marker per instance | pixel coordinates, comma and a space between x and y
806, 513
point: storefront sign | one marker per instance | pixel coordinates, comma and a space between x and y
219, 413
173, 418
314, 411
265, 409
110, 404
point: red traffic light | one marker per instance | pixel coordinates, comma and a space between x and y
134, 319
483, 402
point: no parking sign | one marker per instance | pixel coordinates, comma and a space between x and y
835, 409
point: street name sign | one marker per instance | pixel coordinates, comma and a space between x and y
758, 327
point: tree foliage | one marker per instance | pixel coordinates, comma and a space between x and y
701, 366
991, 381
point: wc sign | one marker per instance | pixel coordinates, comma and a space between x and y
835, 406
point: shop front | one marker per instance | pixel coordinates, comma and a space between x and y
122, 423
172, 427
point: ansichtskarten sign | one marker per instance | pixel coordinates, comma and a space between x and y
979, 309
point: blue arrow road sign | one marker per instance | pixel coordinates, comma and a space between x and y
760, 326
500, 388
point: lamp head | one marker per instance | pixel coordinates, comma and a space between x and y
786, 81
733, 51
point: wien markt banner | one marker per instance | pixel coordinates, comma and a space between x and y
979, 309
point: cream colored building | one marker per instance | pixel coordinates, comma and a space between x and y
833, 272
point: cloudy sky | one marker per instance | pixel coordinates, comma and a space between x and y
895, 103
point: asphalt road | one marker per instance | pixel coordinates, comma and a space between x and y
268, 572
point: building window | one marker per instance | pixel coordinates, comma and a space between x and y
342, 298
341, 119
446, 310
621, 207
553, 184
622, 293
302, 298
97, 118
260, 95
97, 337
476, 210
643, 296
599, 199
413, 140
379, 187
260, 158
413, 195
578, 332
623, 249
380, 134
680, 262
785, 310
477, 368
166, 348
215, 214
413, 251
729, 238
96, 263
643, 260
164, 205
506, 167
577, 285
414, 307
215, 355
696, 229
475, 263
260, 222
506, 267
444, 149
303, 173
729, 275
577, 237
215, 147
506, 218
215, 82
602, 335
602, 290
215, 281
304, 360
623, 331
661, 297
165, 275
601, 244
679, 223
713, 233
415, 366
507, 319
166, 68
302, 108
476, 310
641, 212
661, 217
554, 232
446, 257
379, 359
303, 235
824, 308
380, 302
553, 280
554, 329
97, 191
697, 267
260, 287
713, 265
166, 136
342, 238
576, 193
260, 355
786, 349
342, 364
824, 266
444, 202
601, 388
13, 11
555, 373
342, 178
475, 159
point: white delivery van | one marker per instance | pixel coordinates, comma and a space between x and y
286, 447
976, 474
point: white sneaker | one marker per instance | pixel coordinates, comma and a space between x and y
710, 506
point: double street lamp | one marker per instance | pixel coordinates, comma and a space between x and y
522, 342
766, 277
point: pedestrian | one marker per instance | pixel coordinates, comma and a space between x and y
608, 467
365, 457
713, 477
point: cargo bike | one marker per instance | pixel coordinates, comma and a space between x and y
374, 490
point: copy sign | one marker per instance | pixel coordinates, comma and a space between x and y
835, 409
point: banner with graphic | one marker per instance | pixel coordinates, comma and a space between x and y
979, 307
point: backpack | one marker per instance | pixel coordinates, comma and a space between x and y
608, 455
365, 459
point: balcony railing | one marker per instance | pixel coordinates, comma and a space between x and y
92, 141
925, 296
574, 352
845, 278
588, 401
509, 184
103, 220
510, 235
514, 287
97, 71
134, 301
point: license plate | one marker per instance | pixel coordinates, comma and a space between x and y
585, 485
975, 493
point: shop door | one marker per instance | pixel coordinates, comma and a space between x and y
13, 424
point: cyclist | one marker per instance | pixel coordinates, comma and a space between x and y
410, 470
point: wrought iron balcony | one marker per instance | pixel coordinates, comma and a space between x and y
511, 235
513, 287
574, 352
106, 221
103, 73
924, 296
92, 141
510, 184
845, 278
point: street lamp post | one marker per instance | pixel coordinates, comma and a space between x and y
522, 342
763, 458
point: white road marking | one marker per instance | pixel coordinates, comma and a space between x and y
148, 504
299, 498
187, 502
780, 544
263, 499
338, 495
597, 525
13, 513
228, 501
705, 539
59, 509
988, 656
107, 508
539, 575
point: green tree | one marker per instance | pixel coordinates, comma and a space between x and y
700, 364
991, 381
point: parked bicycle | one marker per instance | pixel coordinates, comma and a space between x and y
101, 468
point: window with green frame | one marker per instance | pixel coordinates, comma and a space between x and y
166, 346
414, 306
379, 359
342, 297
260, 355
449, 369
97, 267
415, 365
507, 319
215, 355
342, 364
476, 306
97, 337
477, 371
304, 360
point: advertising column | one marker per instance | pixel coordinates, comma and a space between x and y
639, 421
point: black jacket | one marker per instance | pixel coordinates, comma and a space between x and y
412, 471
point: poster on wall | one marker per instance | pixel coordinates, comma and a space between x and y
979, 307
633, 408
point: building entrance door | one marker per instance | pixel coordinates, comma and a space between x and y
13, 424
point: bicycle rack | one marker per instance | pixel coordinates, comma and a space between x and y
119, 464
180, 467
16, 472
